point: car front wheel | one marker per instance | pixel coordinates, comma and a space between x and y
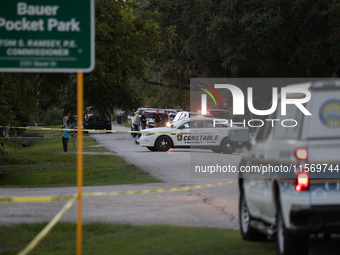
163, 143
228, 147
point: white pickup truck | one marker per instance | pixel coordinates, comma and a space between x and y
289, 177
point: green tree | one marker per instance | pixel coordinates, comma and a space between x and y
248, 38
126, 40
21, 94
18, 98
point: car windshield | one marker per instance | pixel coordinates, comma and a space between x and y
179, 123
150, 115
178, 115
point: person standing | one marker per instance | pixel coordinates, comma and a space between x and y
143, 120
157, 119
136, 123
66, 134
164, 118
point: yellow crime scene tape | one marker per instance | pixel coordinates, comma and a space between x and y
118, 131
115, 193
28, 199
68, 205
43, 233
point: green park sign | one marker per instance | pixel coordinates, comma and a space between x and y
46, 36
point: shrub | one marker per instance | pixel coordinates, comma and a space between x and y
53, 116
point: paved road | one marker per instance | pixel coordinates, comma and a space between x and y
214, 207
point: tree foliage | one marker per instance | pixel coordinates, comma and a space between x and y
244, 38
167, 42
249, 38
125, 42
18, 98
21, 93
126, 39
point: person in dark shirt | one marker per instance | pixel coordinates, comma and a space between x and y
157, 119
164, 118
143, 120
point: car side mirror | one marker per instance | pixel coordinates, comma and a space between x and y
172, 126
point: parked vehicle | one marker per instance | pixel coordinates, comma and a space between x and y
142, 109
292, 187
150, 123
150, 114
216, 142
93, 120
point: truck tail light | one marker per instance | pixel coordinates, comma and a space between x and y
301, 154
302, 182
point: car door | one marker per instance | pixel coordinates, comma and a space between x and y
209, 137
216, 133
196, 127
183, 140
202, 130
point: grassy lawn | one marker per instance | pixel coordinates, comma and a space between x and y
103, 238
123, 124
126, 125
239, 150
43, 163
48, 133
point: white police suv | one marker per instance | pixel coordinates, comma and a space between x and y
289, 177
214, 135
